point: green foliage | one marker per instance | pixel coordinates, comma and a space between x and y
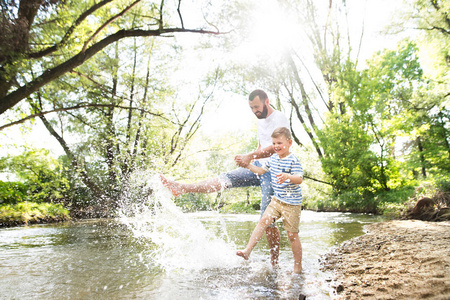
315, 193
373, 107
240, 207
12, 192
392, 203
348, 159
116, 105
432, 20
392, 210
31, 212
128, 117
356, 201
42, 178
388, 125
195, 202
443, 184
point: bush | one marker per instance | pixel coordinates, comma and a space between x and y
41, 178
392, 210
31, 212
390, 203
400, 195
12, 192
443, 184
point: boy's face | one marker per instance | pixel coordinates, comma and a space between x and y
281, 146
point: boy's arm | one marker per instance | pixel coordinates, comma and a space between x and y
282, 177
256, 170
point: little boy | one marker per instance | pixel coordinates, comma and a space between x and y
286, 177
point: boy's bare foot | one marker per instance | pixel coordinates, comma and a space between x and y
173, 186
243, 254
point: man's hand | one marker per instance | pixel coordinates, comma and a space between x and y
243, 160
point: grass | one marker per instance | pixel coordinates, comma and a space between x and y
31, 212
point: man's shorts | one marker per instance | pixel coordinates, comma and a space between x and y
243, 177
290, 213
240, 177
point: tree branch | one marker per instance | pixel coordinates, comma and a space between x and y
49, 75
179, 13
161, 21
69, 32
109, 22
327, 105
443, 30
98, 84
317, 180
42, 113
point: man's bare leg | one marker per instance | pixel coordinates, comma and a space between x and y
178, 189
273, 239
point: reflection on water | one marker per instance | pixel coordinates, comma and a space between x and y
103, 259
154, 251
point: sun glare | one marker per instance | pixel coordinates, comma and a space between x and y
271, 31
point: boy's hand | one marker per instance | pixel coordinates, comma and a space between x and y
282, 177
243, 160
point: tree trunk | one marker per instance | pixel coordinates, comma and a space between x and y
302, 121
75, 164
422, 157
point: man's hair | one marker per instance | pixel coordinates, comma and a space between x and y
262, 95
282, 131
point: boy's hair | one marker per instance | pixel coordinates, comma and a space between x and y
282, 131
260, 93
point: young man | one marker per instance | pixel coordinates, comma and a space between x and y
268, 120
286, 176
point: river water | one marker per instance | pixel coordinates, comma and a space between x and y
154, 251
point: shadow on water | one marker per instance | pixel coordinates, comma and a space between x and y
172, 256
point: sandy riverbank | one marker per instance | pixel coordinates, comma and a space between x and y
394, 260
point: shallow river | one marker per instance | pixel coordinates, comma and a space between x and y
119, 259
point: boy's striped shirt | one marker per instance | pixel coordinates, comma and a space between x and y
287, 192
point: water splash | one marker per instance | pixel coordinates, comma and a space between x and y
176, 240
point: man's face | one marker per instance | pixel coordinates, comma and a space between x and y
259, 108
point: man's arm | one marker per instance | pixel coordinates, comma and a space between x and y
243, 160
262, 153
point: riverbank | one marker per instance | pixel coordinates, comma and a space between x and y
406, 259
24, 213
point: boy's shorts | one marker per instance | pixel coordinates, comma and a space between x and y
290, 213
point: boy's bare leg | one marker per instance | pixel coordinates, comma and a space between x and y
178, 189
257, 234
296, 250
273, 239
